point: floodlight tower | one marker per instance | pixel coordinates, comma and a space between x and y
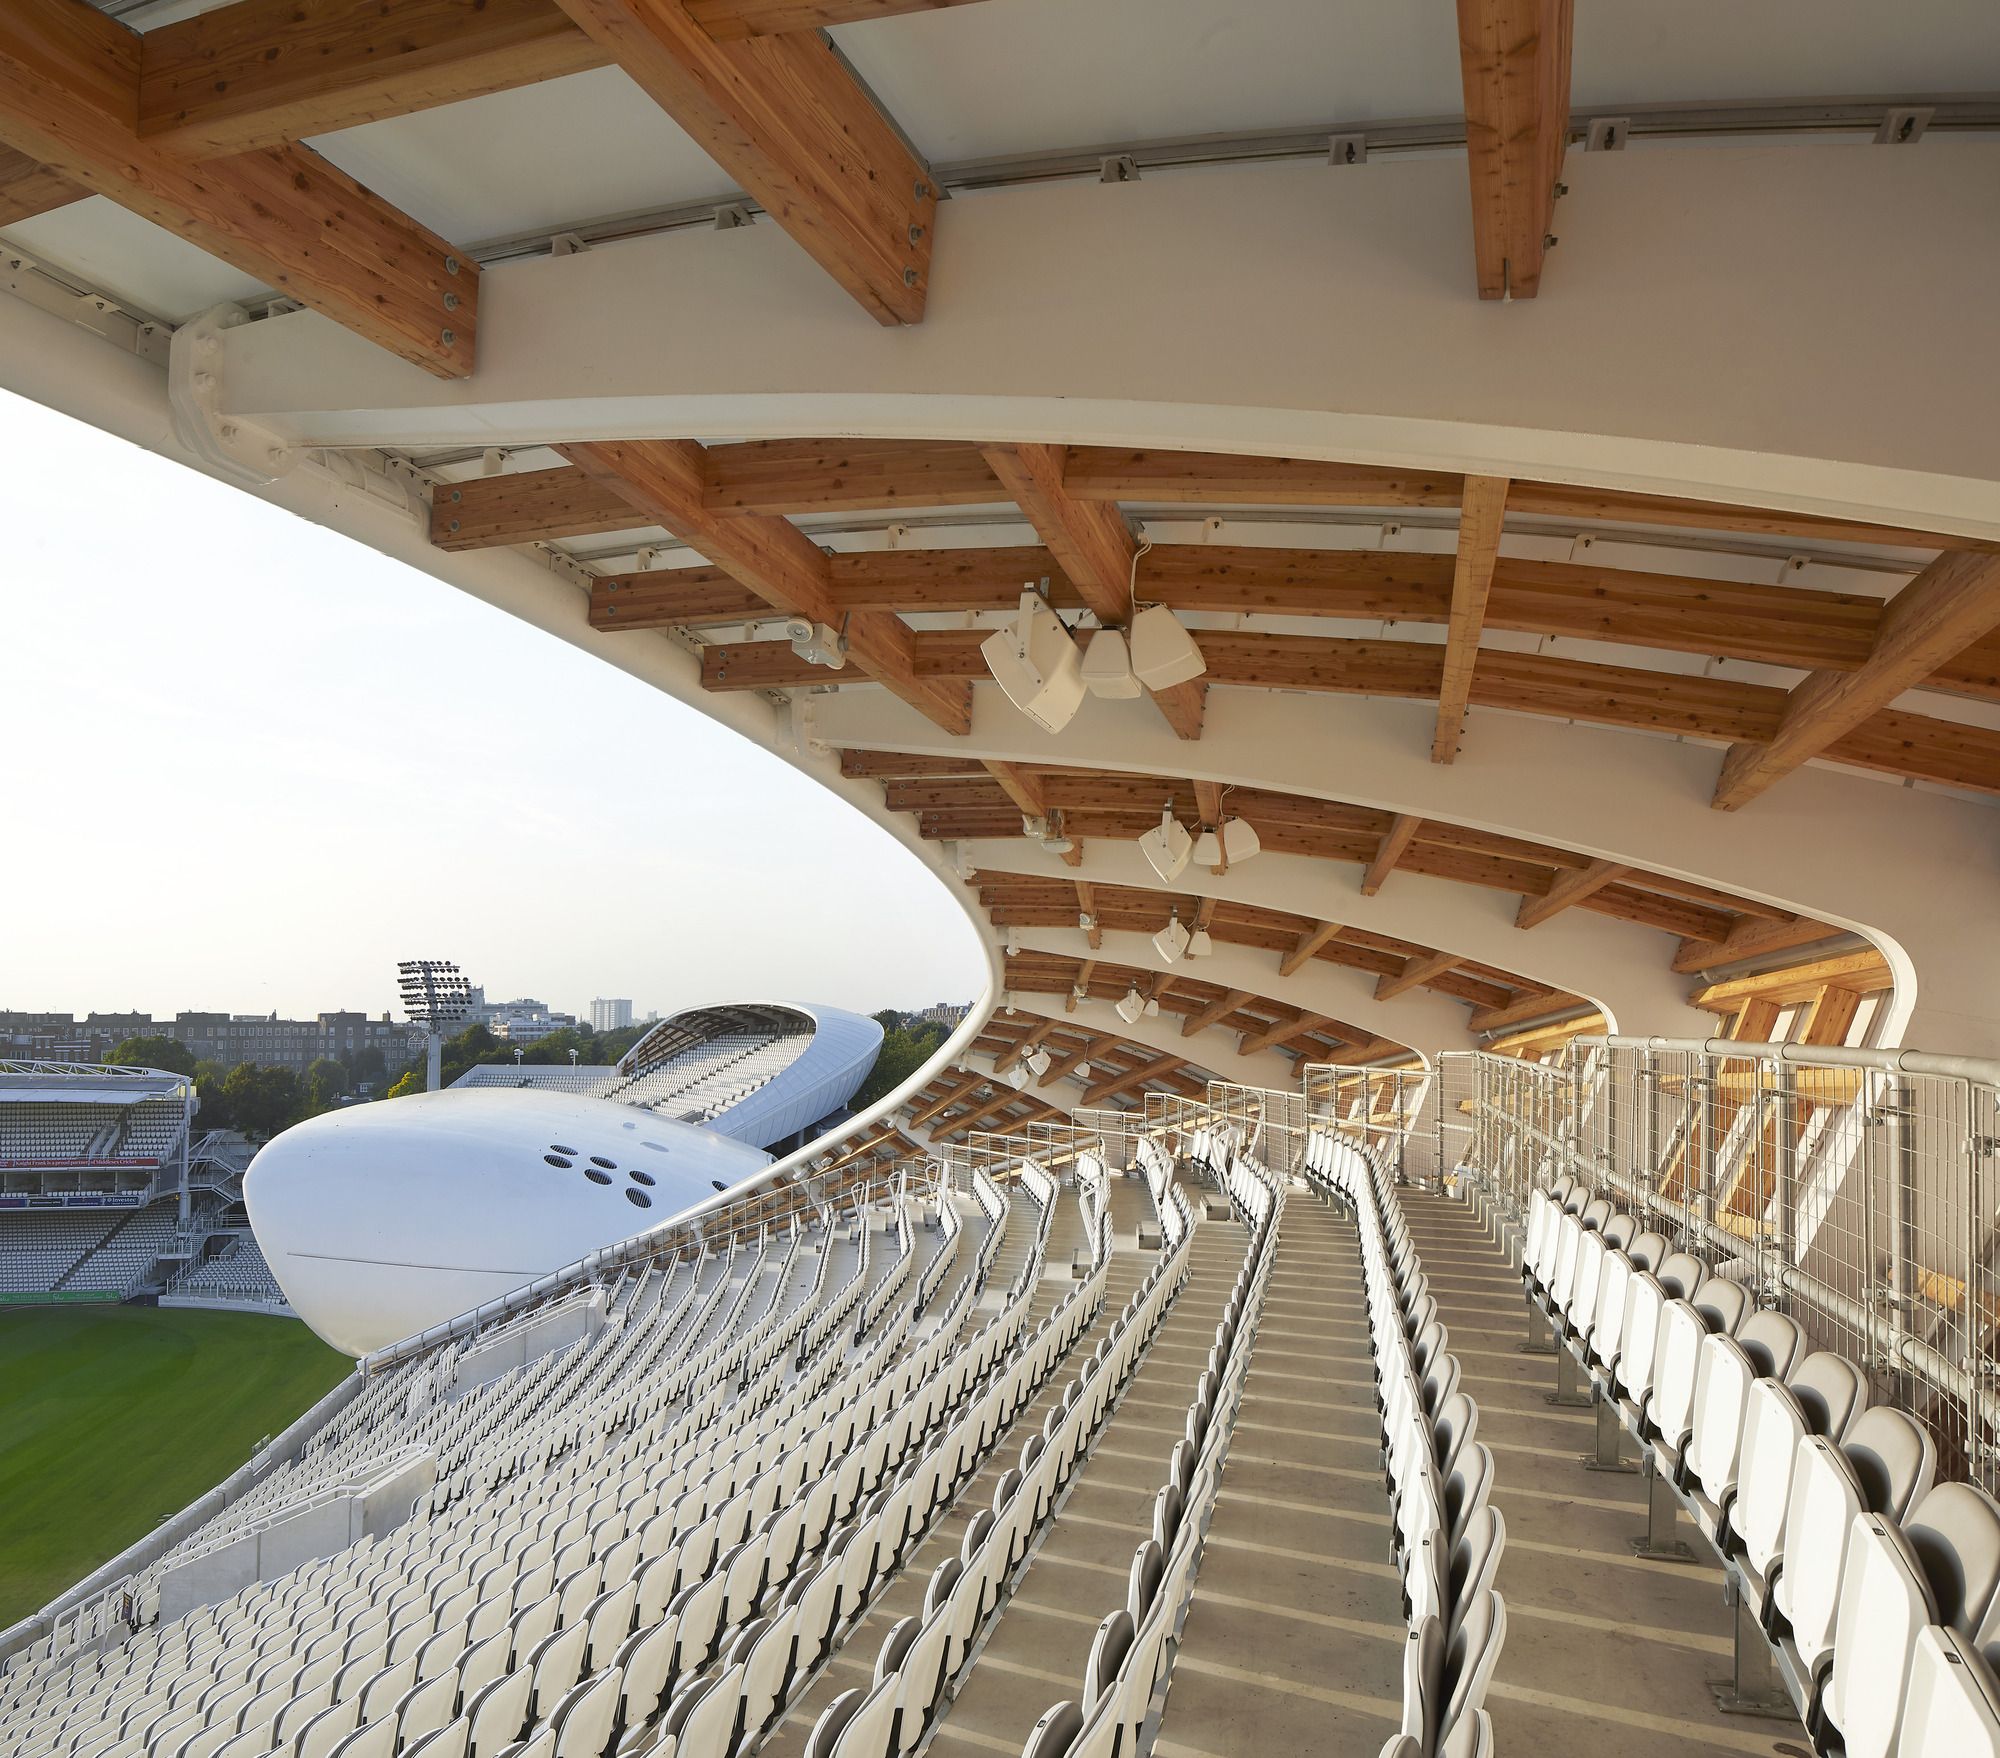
435, 995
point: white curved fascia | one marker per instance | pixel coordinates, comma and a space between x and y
1277, 309
1620, 966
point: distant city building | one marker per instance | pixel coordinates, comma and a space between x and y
214, 1037
524, 1021
610, 1016
945, 1013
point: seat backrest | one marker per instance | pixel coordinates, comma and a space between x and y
1773, 1342
1894, 1459
1475, 1560
1108, 1649
1052, 1736
1619, 1231
1825, 1496
1952, 1706
1955, 1532
1723, 1304
1774, 1422
1470, 1658
1884, 1605
1648, 1250
1143, 1580
1681, 1274
1831, 1392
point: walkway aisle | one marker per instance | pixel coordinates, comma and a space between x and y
1294, 1639
1605, 1652
1036, 1652
853, 1663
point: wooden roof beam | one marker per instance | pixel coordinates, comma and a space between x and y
69, 93
960, 1084
972, 1119
1021, 785
1570, 888
1514, 58
1084, 973
1415, 972
729, 21
1479, 524
1093, 546
28, 188
792, 125
1395, 843
1023, 1046
1086, 905
1132, 1077
1307, 946
1282, 1032
1077, 1057
1940, 613
1866, 972
1219, 1009
771, 556
1750, 938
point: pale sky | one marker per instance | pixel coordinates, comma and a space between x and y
221, 791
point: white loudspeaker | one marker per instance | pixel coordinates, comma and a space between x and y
1240, 840
1171, 942
1037, 665
1168, 848
1107, 666
1163, 653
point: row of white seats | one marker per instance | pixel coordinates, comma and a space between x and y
1876, 1588
601, 1533
1131, 1650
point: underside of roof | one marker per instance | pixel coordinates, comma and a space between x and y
1567, 440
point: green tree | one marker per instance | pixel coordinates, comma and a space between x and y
209, 1080
411, 1080
905, 1049
367, 1067
326, 1081
262, 1101
156, 1052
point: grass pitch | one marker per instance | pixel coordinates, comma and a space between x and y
114, 1417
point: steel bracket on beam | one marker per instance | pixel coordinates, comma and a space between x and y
234, 448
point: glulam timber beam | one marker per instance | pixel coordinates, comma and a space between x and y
1023, 1046
1021, 785
1094, 547
1831, 1015
1282, 1032
1866, 973
1000, 1101
1115, 1084
1534, 1005
1085, 972
260, 73
1940, 613
1569, 888
957, 1087
1394, 845
1479, 524
730, 21
1307, 946
1750, 938
1077, 1056
69, 92
771, 556
1514, 58
786, 119
1415, 972
28, 188
1230, 1001
1086, 909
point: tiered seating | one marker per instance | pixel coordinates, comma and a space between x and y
34, 1134
1448, 1538
1128, 1651
39, 1245
121, 1263
1874, 1589
648, 1540
239, 1272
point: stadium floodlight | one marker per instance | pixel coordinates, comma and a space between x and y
1171, 942
1169, 848
435, 996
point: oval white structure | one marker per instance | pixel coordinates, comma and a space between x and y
383, 1219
